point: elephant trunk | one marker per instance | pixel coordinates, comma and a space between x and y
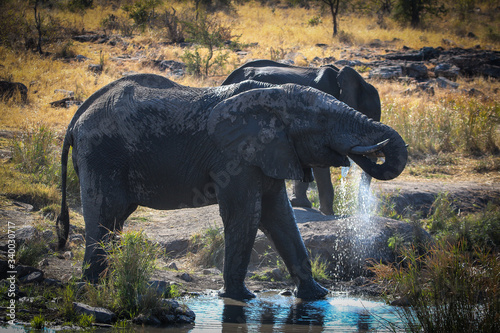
394, 151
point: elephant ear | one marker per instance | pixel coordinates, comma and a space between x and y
248, 127
358, 94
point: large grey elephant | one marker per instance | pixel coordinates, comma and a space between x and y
145, 140
345, 84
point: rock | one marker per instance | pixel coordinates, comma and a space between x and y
10, 90
81, 58
348, 245
403, 301
172, 266
43, 263
447, 71
95, 68
23, 270
286, 292
171, 65
52, 282
87, 38
276, 274
445, 83
34, 277
186, 277
25, 233
473, 92
416, 70
65, 102
76, 238
167, 313
4, 268
68, 255
211, 271
351, 63
143, 319
101, 315
386, 72
68, 93
425, 53
161, 287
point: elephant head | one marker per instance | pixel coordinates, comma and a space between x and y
284, 129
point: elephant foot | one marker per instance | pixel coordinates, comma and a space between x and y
301, 202
238, 294
327, 210
311, 290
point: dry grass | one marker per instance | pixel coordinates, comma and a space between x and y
432, 125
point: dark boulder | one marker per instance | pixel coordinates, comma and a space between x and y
14, 90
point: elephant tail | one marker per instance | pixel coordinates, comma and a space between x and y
62, 224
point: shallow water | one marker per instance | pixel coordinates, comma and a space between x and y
271, 312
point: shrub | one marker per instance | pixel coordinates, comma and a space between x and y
210, 245
38, 322
209, 34
131, 263
319, 268
141, 11
31, 251
449, 289
33, 152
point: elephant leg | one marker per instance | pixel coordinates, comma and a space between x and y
299, 195
278, 223
364, 193
102, 217
325, 190
241, 215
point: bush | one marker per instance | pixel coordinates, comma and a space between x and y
33, 152
210, 34
210, 247
448, 290
124, 287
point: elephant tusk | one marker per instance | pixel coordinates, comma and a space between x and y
365, 150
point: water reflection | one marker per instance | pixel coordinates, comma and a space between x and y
270, 312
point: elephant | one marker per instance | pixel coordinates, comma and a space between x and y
145, 140
345, 84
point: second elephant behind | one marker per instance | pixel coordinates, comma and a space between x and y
346, 84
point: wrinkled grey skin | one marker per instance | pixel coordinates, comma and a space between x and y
345, 84
144, 140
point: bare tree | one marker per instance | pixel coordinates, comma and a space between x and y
334, 10
38, 26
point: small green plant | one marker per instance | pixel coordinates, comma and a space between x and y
131, 262
141, 11
314, 21
85, 320
68, 297
319, 268
31, 251
38, 322
211, 247
443, 214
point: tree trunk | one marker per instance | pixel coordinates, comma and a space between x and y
334, 9
415, 13
38, 25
